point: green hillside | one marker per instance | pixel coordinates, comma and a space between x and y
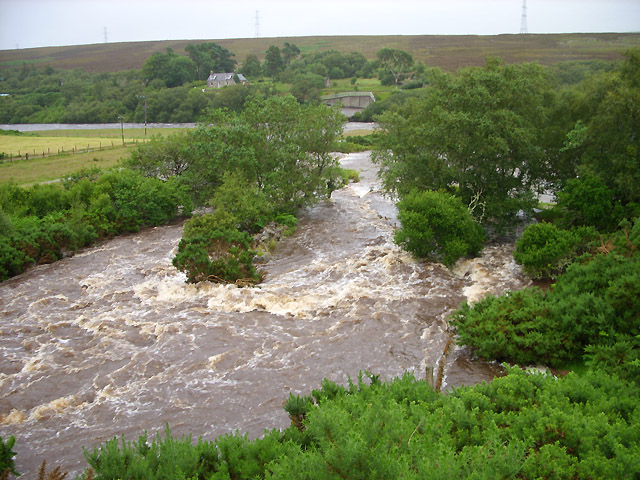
446, 51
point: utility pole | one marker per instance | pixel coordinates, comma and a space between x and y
257, 24
121, 127
144, 97
523, 20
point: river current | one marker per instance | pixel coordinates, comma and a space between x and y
112, 341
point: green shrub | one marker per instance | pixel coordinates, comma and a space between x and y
545, 251
7, 463
518, 426
437, 226
209, 251
42, 223
618, 355
12, 260
588, 201
286, 219
599, 295
517, 327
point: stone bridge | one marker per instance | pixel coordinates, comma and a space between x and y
351, 102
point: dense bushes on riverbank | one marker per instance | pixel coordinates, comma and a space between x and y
524, 425
42, 223
593, 303
521, 426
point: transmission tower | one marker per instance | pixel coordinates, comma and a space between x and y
257, 24
523, 20
105, 34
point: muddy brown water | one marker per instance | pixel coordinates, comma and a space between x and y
112, 341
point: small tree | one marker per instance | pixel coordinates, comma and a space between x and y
273, 63
437, 226
396, 62
251, 66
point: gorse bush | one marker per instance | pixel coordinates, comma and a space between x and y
618, 355
596, 299
437, 226
516, 327
545, 251
523, 425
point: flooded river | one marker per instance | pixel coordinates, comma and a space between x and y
113, 341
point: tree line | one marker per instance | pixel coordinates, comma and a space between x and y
467, 161
168, 87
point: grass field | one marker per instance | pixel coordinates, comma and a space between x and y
41, 170
446, 51
110, 133
105, 150
37, 146
52, 142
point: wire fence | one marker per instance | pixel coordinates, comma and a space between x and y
49, 152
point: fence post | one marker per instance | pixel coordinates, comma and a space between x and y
429, 376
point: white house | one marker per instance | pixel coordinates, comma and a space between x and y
217, 80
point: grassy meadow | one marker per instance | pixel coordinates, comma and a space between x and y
101, 148
47, 169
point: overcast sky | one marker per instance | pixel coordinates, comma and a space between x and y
37, 23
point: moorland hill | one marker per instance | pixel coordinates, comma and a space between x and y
446, 51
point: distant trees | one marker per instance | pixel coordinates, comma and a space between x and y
210, 57
168, 69
306, 87
289, 52
172, 70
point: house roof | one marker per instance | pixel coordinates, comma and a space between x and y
221, 77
